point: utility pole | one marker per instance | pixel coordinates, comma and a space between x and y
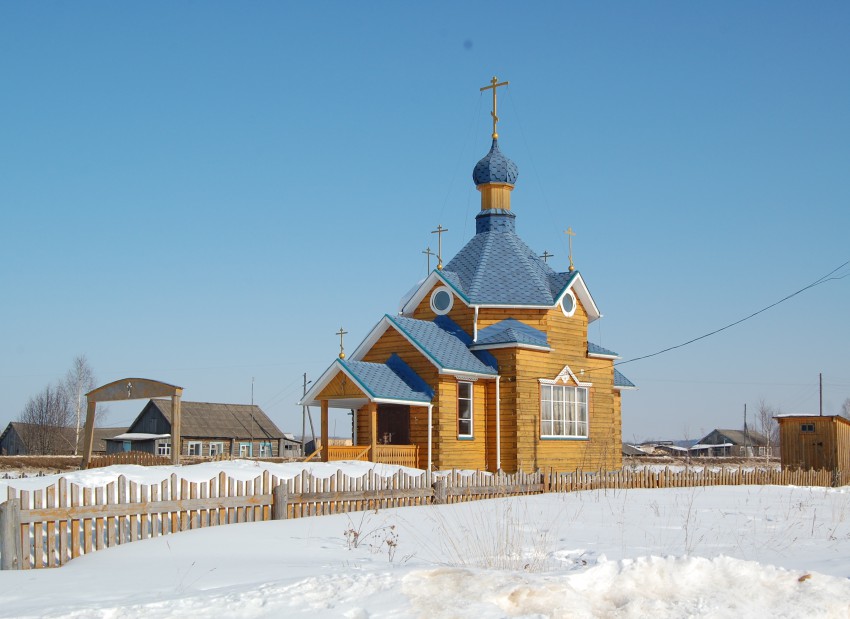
305, 415
820, 392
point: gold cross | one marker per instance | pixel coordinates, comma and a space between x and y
429, 253
439, 232
494, 84
340, 333
570, 234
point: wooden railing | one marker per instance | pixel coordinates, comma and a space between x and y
397, 455
51, 526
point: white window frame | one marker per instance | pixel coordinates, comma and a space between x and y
463, 385
569, 295
246, 449
216, 448
265, 449
434, 308
163, 448
564, 407
190, 445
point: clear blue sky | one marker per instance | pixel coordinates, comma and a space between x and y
204, 192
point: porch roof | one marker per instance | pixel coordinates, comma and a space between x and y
393, 382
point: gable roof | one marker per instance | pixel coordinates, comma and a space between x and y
735, 437
441, 341
205, 419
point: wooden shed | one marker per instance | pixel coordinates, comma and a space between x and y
816, 442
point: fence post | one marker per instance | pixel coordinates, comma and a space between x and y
280, 500
10, 534
440, 491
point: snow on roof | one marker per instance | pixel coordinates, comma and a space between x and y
138, 436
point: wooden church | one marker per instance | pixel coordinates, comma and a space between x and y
487, 365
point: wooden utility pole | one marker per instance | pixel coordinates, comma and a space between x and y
820, 392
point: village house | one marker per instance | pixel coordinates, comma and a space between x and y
727, 443
488, 364
23, 439
236, 430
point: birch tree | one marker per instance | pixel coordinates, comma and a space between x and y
46, 421
78, 381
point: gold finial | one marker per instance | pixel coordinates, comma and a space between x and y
494, 84
340, 333
439, 232
570, 234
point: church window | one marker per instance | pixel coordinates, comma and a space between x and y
563, 411
442, 301
568, 304
464, 409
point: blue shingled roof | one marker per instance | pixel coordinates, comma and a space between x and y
596, 349
393, 380
620, 380
497, 268
511, 331
494, 167
445, 343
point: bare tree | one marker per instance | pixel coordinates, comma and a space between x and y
78, 381
46, 422
768, 426
845, 409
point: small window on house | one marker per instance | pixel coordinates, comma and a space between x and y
442, 301
246, 450
265, 450
195, 448
127, 445
163, 448
464, 409
568, 304
216, 449
808, 427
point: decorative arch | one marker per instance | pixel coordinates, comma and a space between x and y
133, 389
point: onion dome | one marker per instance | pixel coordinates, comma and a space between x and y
495, 168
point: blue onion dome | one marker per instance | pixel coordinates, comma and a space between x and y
495, 168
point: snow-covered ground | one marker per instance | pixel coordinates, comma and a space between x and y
743, 551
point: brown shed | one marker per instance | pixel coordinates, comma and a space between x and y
816, 442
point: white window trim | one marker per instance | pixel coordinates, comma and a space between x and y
471, 400
216, 448
563, 379
576, 411
163, 448
571, 295
435, 292
190, 444
249, 448
265, 446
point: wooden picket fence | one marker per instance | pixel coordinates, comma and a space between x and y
49, 527
129, 457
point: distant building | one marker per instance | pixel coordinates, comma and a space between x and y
206, 429
23, 439
731, 443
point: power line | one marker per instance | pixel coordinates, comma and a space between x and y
822, 280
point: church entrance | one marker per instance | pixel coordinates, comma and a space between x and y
393, 424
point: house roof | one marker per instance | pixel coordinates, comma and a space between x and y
393, 380
442, 341
205, 419
68, 434
736, 437
595, 350
621, 382
510, 332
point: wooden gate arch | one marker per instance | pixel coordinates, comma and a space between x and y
133, 389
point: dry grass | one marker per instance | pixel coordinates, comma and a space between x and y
39, 464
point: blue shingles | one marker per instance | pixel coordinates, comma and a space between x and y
393, 380
511, 331
494, 167
620, 380
445, 343
596, 349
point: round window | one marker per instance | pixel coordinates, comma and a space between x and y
568, 304
441, 301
